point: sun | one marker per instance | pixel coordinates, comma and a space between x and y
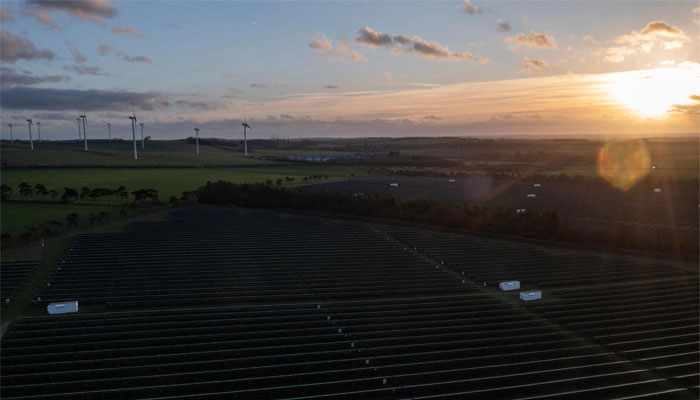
653, 93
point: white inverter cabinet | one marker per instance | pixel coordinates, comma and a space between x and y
531, 295
510, 285
63, 307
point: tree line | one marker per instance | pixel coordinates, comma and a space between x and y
493, 219
73, 195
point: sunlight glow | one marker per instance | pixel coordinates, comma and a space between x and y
654, 93
623, 164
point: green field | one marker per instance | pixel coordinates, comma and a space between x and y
120, 153
167, 181
18, 217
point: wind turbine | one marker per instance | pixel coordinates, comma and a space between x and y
12, 139
245, 137
31, 142
133, 130
84, 117
109, 131
196, 135
79, 136
143, 146
38, 129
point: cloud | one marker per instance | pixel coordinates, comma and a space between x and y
260, 85
324, 47
589, 39
6, 15
695, 97
503, 26
85, 70
432, 50
105, 49
470, 8
656, 34
667, 62
405, 44
331, 86
532, 65
196, 104
371, 37
534, 39
42, 15
691, 109
14, 48
25, 98
78, 57
11, 78
90, 10
661, 27
127, 31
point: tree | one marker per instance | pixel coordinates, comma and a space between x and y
92, 217
40, 190
121, 192
5, 192
69, 195
173, 200
53, 193
99, 192
72, 219
25, 189
149, 196
84, 192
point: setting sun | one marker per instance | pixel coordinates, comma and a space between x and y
654, 93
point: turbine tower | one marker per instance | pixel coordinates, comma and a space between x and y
109, 131
196, 135
38, 129
84, 117
79, 136
31, 142
245, 136
12, 138
143, 145
133, 130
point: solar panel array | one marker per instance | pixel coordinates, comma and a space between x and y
12, 277
333, 309
230, 257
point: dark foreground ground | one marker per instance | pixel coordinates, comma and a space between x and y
230, 303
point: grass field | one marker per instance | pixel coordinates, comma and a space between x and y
168, 181
18, 217
120, 153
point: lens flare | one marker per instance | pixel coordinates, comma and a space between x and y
623, 164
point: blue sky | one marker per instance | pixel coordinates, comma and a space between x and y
199, 62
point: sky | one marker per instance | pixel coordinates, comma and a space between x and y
351, 69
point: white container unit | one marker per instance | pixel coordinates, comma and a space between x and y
394, 184
531, 195
511, 285
62, 307
531, 295
537, 185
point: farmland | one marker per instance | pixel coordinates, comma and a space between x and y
167, 181
415, 313
18, 217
